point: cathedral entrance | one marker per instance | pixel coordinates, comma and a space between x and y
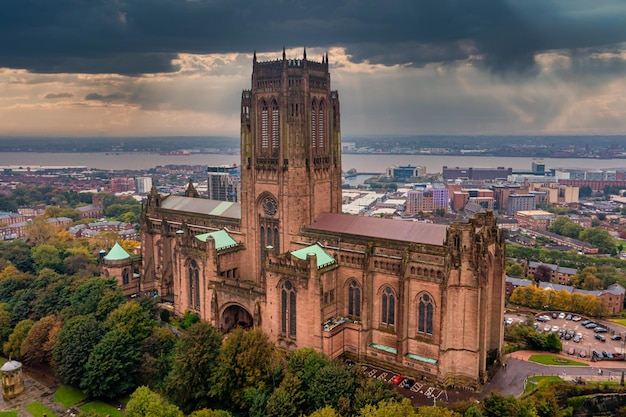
235, 316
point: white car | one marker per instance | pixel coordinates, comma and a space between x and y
555, 328
562, 316
546, 328
508, 321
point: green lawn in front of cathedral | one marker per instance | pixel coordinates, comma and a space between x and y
533, 382
8, 413
102, 409
37, 409
68, 396
555, 360
618, 321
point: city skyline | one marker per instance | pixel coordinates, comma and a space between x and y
136, 68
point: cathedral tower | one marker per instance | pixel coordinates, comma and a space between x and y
290, 153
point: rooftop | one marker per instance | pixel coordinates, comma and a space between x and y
202, 206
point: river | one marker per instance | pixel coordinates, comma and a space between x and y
362, 163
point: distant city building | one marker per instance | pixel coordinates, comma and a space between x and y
93, 211
121, 185
143, 185
539, 167
520, 202
403, 173
476, 173
557, 193
426, 201
223, 183
534, 219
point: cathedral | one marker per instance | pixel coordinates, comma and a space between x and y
422, 299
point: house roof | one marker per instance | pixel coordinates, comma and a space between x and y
202, 206
221, 237
371, 227
117, 253
323, 259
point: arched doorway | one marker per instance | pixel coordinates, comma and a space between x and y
235, 315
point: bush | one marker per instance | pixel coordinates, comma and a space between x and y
165, 316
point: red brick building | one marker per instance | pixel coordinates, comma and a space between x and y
424, 299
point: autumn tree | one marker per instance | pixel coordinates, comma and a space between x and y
389, 409
39, 231
13, 347
38, 345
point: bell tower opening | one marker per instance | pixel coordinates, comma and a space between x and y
235, 316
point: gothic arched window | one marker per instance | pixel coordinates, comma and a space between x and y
313, 124
321, 143
288, 309
194, 285
125, 276
275, 128
425, 315
354, 299
265, 139
388, 309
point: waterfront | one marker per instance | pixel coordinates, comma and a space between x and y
360, 162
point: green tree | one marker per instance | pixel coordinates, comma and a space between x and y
389, 409
585, 191
599, 238
210, 413
146, 403
553, 343
47, 256
13, 347
497, 405
5, 323
112, 366
98, 296
73, 346
246, 361
514, 269
195, 363
131, 318
158, 357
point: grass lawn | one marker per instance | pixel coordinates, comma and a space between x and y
619, 321
37, 410
555, 360
8, 413
534, 381
68, 396
101, 408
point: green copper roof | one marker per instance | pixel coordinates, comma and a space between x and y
117, 253
221, 237
323, 259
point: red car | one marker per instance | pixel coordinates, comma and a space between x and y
397, 379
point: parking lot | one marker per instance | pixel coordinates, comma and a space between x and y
419, 393
575, 337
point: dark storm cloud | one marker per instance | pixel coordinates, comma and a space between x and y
105, 98
143, 36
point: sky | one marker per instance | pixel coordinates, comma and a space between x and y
402, 67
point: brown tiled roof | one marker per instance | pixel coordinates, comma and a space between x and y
372, 227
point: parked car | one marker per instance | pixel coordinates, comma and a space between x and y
561, 316
408, 383
576, 339
571, 351
568, 317
599, 330
601, 338
567, 336
577, 318
582, 353
571, 332
607, 354
546, 328
585, 322
554, 315
591, 325
616, 337
397, 379
509, 320
555, 328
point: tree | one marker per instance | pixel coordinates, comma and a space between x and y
158, 356
553, 343
13, 347
145, 403
496, 405
5, 323
585, 191
131, 318
38, 345
97, 296
599, 238
195, 364
515, 270
39, 231
47, 256
112, 366
210, 413
246, 361
542, 273
73, 346
325, 412
389, 409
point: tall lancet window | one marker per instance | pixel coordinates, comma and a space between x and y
354, 299
320, 125
313, 124
194, 285
288, 309
388, 307
425, 315
275, 128
265, 138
